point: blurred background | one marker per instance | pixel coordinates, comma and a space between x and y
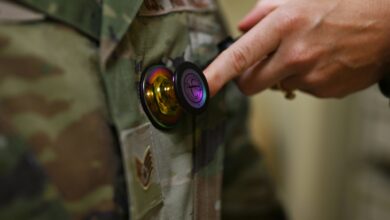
330, 159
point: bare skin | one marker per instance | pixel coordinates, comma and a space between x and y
328, 48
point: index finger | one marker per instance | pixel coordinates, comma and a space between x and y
252, 47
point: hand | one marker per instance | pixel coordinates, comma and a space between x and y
328, 48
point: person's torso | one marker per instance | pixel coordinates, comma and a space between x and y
76, 142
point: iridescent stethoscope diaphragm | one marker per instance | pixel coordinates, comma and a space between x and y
165, 95
191, 88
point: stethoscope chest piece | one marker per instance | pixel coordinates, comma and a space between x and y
191, 88
166, 95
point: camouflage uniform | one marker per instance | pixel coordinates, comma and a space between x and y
74, 140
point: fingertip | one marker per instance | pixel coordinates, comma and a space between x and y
248, 21
255, 16
213, 87
244, 26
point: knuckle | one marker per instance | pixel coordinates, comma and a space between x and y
314, 80
297, 55
268, 3
292, 18
317, 85
239, 60
301, 54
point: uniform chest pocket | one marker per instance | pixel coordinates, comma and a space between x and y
158, 170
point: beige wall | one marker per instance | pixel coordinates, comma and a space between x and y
303, 138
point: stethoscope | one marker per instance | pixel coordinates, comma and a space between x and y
166, 95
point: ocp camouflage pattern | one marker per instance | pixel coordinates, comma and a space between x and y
74, 140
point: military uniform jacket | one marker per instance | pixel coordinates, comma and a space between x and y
74, 140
